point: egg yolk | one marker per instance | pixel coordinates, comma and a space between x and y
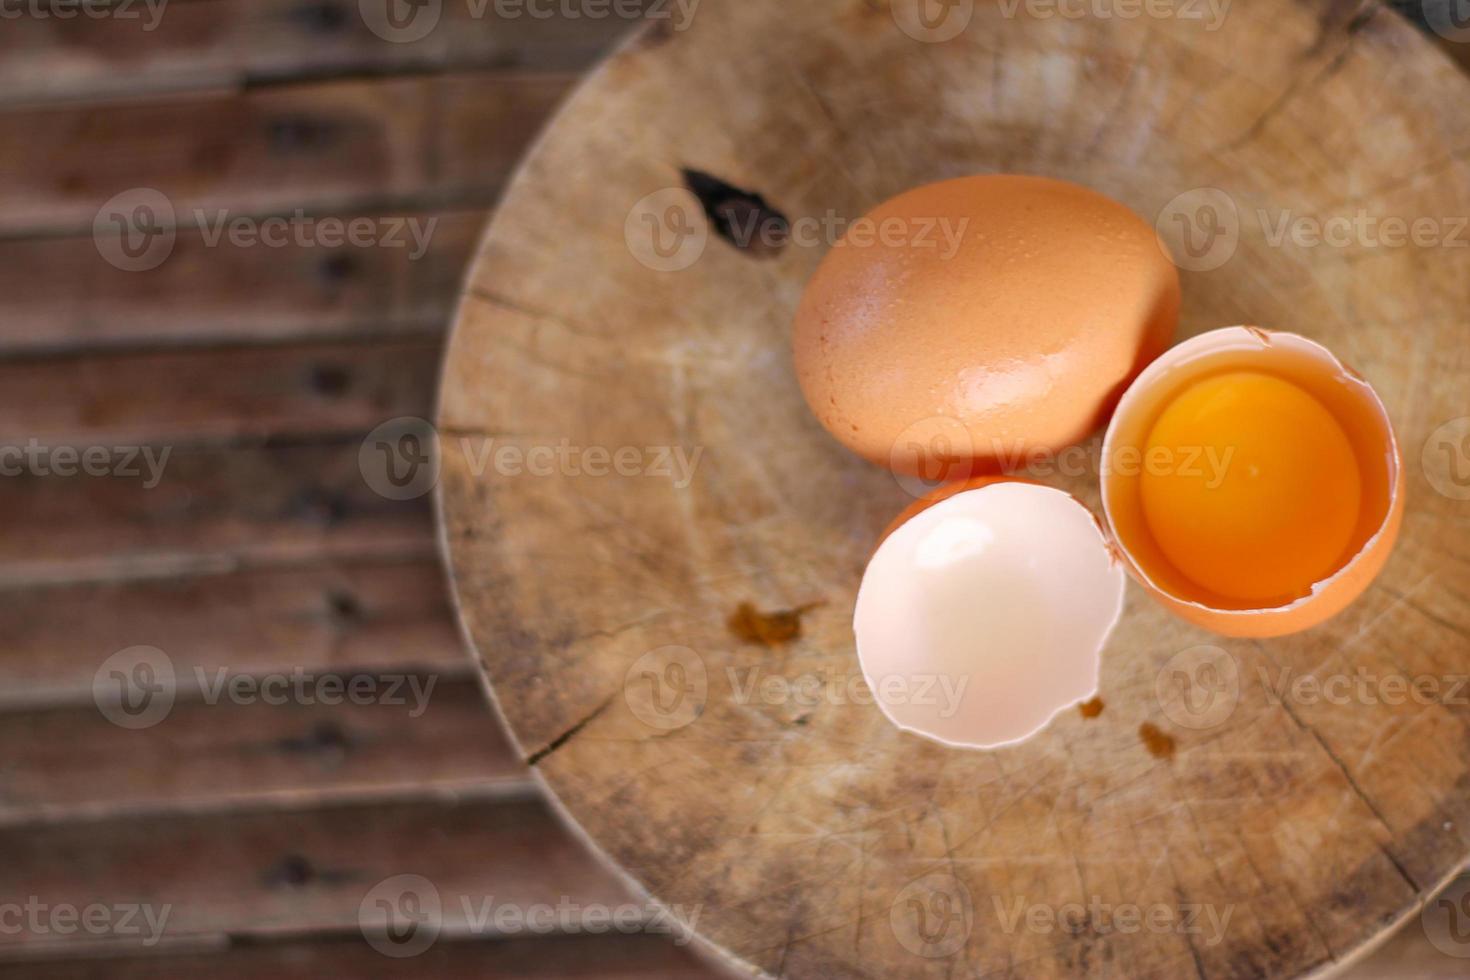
1250, 487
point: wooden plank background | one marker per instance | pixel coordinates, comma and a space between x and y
261, 551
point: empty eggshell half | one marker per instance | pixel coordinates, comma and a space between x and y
985, 613
1375, 490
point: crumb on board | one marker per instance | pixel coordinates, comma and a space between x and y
750, 625
1159, 744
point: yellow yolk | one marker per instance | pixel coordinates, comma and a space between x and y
1250, 487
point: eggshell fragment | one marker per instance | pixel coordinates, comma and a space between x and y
985, 613
1350, 400
980, 320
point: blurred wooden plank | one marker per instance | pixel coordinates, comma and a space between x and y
60, 294
214, 509
346, 145
397, 733
225, 43
279, 873
216, 394
562, 957
335, 616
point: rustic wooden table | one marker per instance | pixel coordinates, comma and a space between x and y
255, 825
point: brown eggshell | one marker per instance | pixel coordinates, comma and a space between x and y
1016, 333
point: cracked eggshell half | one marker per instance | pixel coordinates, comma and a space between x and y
985, 610
1307, 460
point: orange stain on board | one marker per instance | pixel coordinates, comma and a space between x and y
750, 625
1159, 745
1091, 709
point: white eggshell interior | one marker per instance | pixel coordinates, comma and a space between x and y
983, 616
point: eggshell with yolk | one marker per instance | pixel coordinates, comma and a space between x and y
1350, 399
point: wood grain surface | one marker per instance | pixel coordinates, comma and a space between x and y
1280, 837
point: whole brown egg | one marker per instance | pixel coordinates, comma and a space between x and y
967, 325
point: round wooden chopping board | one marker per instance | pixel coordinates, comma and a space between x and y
656, 548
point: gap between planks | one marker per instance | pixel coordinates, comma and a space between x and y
272, 872
226, 44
